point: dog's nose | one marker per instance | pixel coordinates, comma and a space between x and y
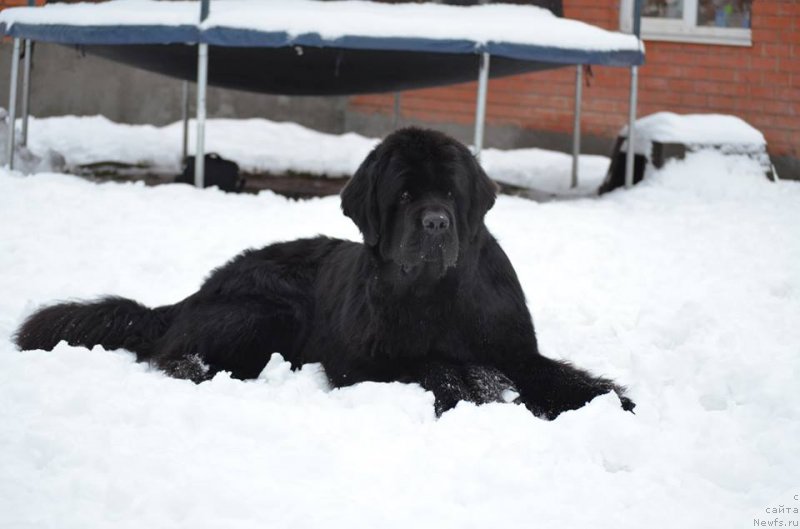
435, 222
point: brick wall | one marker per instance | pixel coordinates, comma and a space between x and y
15, 3
761, 84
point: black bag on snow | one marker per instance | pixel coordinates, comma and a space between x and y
219, 172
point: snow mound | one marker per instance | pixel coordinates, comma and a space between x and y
544, 170
668, 127
695, 131
26, 161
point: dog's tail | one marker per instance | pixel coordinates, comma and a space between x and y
112, 322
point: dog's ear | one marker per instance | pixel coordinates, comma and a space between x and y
359, 199
484, 190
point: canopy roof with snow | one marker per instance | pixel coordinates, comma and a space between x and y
310, 47
516, 32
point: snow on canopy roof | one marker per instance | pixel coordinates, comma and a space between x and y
513, 31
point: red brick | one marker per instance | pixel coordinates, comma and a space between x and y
712, 74
734, 61
765, 8
681, 85
719, 88
604, 105
789, 65
762, 91
790, 9
437, 105
666, 70
764, 63
694, 100
786, 93
774, 50
772, 22
654, 83
748, 76
785, 108
760, 34
775, 78
723, 103
775, 122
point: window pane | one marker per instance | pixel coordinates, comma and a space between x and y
663, 8
724, 13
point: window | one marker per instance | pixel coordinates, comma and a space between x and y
702, 21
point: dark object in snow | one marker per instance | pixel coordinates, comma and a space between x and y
429, 297
219, 172
615, 177
665, 136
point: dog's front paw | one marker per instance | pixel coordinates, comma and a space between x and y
568, 388
627, 404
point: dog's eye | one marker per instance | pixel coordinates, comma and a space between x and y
449, 194
405, 197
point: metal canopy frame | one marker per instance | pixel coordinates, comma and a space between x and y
202, 86
12, 95
576, 126
480, 106
634, 93
12, 105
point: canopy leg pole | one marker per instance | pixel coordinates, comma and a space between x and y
629, 158
576, 127
202, 80
185, 119
12, 104
480, 107
26, 92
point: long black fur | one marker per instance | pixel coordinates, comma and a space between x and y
429, 297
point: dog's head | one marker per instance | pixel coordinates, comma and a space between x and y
419, 198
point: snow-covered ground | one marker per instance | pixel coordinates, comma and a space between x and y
263, 146
687, 288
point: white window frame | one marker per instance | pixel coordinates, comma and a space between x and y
684, 29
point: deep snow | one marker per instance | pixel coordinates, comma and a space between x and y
687, 288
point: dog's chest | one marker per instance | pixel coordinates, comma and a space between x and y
421, 330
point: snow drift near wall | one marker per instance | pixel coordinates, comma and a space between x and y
277, 148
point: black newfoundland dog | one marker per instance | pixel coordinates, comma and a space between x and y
429, 297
